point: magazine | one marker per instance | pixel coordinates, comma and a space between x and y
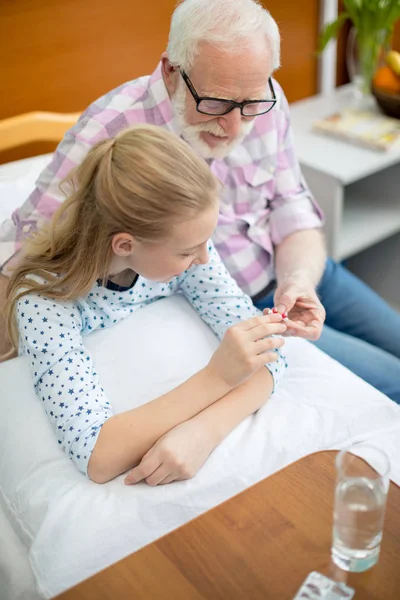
365, 128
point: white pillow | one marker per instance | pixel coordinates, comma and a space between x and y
73, 527
17, 181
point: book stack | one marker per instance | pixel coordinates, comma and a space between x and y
362, 127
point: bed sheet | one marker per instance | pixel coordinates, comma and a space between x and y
66, 527
72, 527
17, 581
17, 180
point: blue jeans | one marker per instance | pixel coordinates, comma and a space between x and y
361, 330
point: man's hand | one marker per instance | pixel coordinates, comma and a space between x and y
306, 315
177, 455
299, 265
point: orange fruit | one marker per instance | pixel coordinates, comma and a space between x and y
387, 81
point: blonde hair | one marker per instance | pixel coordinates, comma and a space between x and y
139, 183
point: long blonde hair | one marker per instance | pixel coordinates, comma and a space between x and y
138, 182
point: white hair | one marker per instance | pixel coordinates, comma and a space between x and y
224, 22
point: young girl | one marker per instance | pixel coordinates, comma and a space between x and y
134, 229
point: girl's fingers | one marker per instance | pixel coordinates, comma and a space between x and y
268, 344
266, 358
158, 476
259, 320
144, 469
290, 332
169, 479
266, 329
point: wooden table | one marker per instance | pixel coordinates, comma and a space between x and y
261, 544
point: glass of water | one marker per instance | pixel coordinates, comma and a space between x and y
360, 499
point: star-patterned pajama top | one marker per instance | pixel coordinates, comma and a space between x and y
64, 376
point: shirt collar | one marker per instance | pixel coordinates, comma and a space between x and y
160, 101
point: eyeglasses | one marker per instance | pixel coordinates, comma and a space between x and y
219, 106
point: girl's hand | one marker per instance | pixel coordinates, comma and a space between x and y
246, 347
177, 455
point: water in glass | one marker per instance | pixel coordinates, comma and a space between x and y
358, 522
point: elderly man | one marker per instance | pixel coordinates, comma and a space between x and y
213, 87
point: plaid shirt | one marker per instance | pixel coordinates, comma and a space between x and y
264, 198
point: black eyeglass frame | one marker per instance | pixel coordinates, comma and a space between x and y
231, 104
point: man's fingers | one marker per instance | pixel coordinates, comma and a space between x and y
300, 323
310, 312
293, 323
311, 332
304, 303
281, 308
310, 304
316, 330
285, 302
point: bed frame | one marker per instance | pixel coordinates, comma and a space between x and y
34, 127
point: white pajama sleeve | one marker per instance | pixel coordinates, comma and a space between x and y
63, 373
220, 302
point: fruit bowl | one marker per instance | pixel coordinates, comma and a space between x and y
389, 103
386, 85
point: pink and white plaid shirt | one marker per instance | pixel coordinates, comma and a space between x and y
264, 198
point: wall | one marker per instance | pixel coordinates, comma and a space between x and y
62, 55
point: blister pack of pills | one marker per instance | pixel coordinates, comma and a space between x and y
319, 587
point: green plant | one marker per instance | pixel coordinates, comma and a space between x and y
373, 21
367, 16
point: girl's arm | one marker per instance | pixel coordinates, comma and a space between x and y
181, 452
220, 302
65, 380
185, 446
226, 414
125, 438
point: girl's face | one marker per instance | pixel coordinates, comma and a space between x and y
185, 246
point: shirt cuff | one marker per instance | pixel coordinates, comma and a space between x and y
294, 216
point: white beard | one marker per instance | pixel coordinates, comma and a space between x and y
192, 133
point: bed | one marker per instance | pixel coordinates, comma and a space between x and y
58, 528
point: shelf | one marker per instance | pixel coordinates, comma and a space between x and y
371, 212
367, 225
359, 192
344, 161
